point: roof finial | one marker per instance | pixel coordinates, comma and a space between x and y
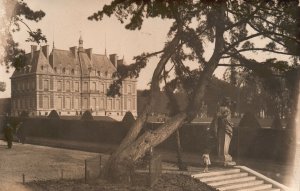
53, 39
105, 44
80, 39
80, 48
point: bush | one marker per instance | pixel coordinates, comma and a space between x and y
128, 119
53, 115
87, 116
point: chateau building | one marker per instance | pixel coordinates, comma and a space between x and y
70, 82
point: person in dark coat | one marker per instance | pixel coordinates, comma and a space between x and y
8, 134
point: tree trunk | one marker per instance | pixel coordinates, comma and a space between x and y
180, 163
115, 159
122, 164
132, 147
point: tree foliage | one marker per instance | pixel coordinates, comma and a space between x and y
233, 29
21, 12
245, 22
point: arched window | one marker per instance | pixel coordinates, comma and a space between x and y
64, 70
42, 67
72, 71
55, 69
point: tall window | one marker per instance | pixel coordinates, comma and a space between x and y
76, 103
46, 102
33, 84
133, 89
101, 105
129, 88
68, 87
59, 103
101, 88
85, 86
129, 104
93, 86
46, 85
76, 86
134, 104
59, 86
109, 104
118, 104
85, 103
68, 103
93, 103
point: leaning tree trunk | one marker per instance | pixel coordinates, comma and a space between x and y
122, 161
116, 160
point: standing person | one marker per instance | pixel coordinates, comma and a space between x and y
223, 129
20, 132
206, 161
8, 134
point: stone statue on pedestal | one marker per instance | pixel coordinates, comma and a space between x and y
223, 129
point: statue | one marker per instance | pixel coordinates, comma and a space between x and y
223, 130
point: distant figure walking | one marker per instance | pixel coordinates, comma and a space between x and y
223, 128
20, 133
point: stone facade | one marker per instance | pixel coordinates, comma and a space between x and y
70, 82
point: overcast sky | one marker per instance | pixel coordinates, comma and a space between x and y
66, 18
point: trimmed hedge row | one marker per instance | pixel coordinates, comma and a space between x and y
246, 142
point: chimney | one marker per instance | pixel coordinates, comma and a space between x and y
89, 52
45, 50
33, 49
74, 50
114, 59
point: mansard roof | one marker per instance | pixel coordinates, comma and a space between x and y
68, 59
35, 62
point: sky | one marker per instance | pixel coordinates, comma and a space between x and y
65, 20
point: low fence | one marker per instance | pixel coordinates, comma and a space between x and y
155, 169
54, 174
89, 172
147, 172
92, 168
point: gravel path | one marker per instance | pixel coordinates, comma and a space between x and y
38, 163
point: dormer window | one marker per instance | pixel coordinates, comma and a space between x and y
98, 72
106, 74
64, 70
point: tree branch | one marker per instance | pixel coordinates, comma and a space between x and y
241, 40
263, 49
243, 20
273, 33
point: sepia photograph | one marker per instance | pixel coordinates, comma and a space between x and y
149, 95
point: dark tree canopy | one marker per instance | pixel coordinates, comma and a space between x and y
13, 55
255, 38
275, 22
